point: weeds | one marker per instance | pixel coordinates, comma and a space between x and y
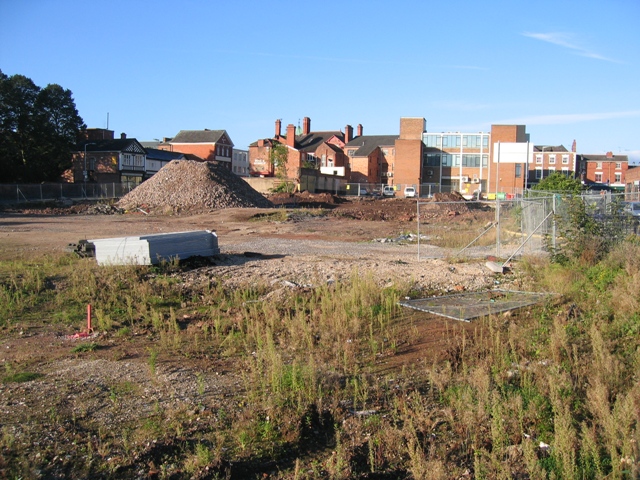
551, 393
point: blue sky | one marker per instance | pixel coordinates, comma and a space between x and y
565, 69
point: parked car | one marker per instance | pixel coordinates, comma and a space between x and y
388, 191
409, 192
363, 192
633, 208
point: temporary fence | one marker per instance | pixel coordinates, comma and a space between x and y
61, 191
526, 225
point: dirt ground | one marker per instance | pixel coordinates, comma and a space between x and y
299, 249
294, 250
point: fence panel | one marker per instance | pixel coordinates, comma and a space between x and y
60, 191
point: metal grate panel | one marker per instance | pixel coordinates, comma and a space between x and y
468, 306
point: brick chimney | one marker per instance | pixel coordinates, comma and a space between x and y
348, 133
278, 128
123, 136
291, 135
306, 125
609, 154
573, 147
359, 134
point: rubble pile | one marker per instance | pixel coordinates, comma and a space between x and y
190, 186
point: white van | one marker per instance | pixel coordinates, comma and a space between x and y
388, 191
409, 192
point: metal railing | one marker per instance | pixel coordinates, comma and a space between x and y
20, 193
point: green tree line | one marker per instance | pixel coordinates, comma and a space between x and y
39, 128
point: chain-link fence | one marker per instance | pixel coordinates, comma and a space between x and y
61, 191
532, 224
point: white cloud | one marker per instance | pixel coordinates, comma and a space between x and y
565, 40
568, 118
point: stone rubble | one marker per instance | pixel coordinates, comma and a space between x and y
188, 186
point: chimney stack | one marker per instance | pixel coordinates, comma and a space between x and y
291, 135
123, 136
306, 125
573, 147
359, 130
609, 154
348, 133
278, 128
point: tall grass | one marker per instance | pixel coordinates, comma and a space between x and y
549, 393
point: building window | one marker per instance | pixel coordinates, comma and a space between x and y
598, 178
385, 151
565, 159
618, 178
552, 170
518, 170
538, 173
351, 152
599, 165
539, 159
552, 159
565, 171
618, 165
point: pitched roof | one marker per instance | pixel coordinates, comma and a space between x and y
198, 136
112, 145
163, 155
549, 148
366, 144
311, 141
589, 157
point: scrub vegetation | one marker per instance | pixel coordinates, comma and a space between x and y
547, 392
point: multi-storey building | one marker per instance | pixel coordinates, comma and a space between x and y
371, 158
323, 150
500, 162
240, 162
600, 171
548, 159
102, 159
210, 145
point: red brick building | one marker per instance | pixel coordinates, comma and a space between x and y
607, 170
209, 145
102, 159
306, 148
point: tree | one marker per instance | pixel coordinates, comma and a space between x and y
279, 157
560, 183
38, 130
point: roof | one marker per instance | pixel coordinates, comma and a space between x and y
549, 148
112, 145
198, 136
163, 155
311, 141
589, 157
366, 144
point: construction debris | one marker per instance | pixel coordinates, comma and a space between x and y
189, 186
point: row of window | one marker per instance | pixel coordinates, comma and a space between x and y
617, 178
450, 160
599, 165
223, 150
551, 159
459, 140
540, 172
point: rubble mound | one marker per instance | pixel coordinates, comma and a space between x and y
191, 186
448, 197
306, 200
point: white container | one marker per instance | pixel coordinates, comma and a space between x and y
153, 249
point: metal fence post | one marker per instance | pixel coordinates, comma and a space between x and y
553, 223
497, 226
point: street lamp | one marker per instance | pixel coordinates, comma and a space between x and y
85, 173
